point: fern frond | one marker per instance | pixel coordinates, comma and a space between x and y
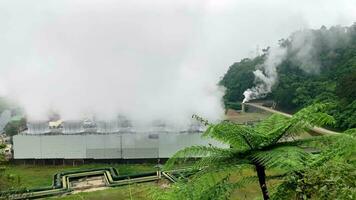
302, 121
310, 142
284, 191
207, 186
351, 132
237, 136
216, 161
276, 134
196, 188
197, 152
285, 157
313, 115
343, 146
273, 122
221, 190
235, 163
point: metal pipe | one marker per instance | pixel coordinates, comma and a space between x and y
319, 130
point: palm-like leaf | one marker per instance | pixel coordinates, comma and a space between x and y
237, 136
284, 157
198, 152
314, 115
207, 186
221, 190
300, 122
273, 122
342, 146
283, 191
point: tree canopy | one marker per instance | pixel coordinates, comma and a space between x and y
328, 76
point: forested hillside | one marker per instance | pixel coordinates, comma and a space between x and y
322, 67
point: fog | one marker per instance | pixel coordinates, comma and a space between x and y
144, 59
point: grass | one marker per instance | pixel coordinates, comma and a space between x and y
141, 191
138, 192
252, 190
31, 176
36, 176
246, 117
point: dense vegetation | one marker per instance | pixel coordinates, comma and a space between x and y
15, 126
326, 73
6, 180
320, 167
17, 122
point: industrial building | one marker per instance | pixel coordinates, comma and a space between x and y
104, 146
105, 141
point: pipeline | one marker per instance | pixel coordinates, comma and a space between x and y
61, 181
317, 130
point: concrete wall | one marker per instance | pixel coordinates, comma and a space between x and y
139, 146
104, 146
171, 143
66, 146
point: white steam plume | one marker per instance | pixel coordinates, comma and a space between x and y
146, 59
306, 54
267, 76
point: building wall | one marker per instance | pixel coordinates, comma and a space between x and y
171, 143
65, 146
104, 146
139, 146
27, 146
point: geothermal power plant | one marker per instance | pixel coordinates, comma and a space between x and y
103, 140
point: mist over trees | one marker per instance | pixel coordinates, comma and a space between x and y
319, 66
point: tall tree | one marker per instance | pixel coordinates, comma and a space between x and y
267, 145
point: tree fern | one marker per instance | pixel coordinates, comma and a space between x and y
285, 157
260, 146
237, 136
195, 152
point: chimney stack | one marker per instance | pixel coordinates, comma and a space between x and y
243, 108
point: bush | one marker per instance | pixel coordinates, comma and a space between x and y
334, 180
233, 105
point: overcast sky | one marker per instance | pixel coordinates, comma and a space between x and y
147, 59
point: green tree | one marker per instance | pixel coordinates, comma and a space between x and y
346, 87
238, 78
4, 179
15, 126
332, 51
329, 175
267, 145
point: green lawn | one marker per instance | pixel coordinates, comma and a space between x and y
252, 190
141, 191
30, 176
132, 192
36, 176
246, 117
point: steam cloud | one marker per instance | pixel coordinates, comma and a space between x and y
266, 76
145, 59
305, 57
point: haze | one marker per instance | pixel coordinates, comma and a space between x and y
145, 59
